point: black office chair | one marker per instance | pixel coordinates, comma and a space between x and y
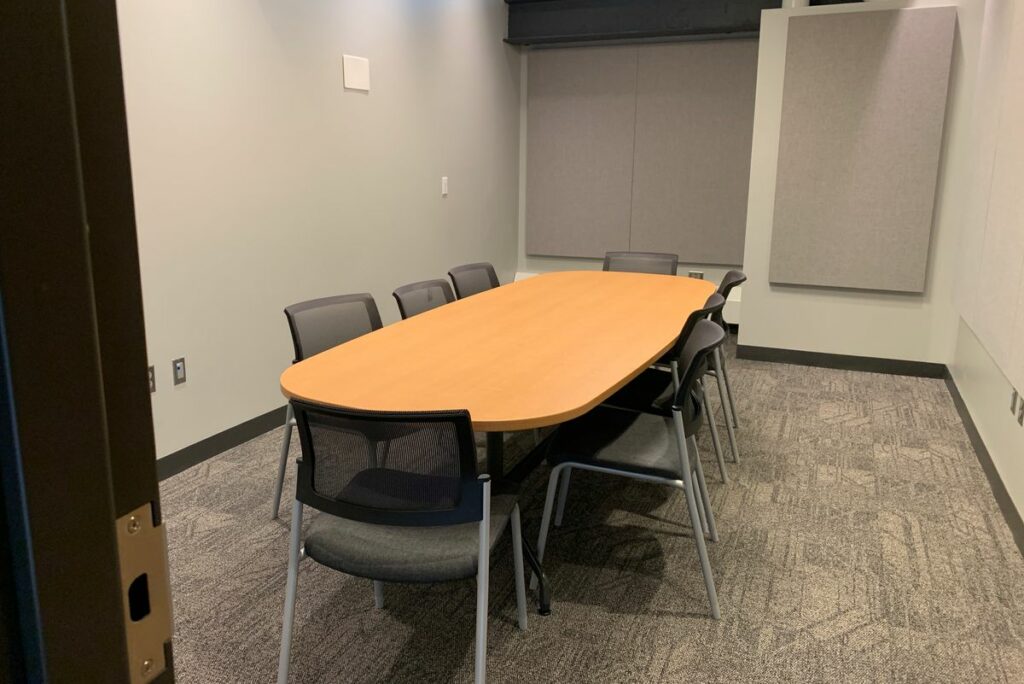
415, 298
641, 262
316, 326
729, 281
400, 500
473, 278
643, 447
653, 389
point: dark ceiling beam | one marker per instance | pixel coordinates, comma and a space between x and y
552, 22
540, 22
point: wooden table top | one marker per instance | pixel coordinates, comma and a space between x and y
528, 354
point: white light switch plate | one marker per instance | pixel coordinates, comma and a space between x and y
357, 72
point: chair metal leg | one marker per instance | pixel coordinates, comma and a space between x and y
691, 503
716, 358
702, 514
378, 594
728, 390
289, 421
709, 515
715, 441
483, 563
675, 376
545, 520
563, 494
517, 560
289, 597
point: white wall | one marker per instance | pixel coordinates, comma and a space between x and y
991, 291
982, 380
259, 181
894, 326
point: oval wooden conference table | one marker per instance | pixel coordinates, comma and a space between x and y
529, 354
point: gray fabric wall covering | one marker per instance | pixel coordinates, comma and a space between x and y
580, 116
862, 114
694, 121
682, 187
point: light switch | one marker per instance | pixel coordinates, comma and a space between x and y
357, 72
444, 186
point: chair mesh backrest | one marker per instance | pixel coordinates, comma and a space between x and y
731, 280
641, 262
712, 307
473, 278
319, 324
416, 298
388, 468
706, 335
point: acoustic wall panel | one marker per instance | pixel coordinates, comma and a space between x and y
863, 107
579, 158
694, 123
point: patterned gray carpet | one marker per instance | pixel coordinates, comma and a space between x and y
859, 543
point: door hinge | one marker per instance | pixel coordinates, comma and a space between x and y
145, 592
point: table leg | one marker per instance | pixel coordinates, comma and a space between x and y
496, 469
496, 454
543, 592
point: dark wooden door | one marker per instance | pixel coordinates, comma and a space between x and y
84, 573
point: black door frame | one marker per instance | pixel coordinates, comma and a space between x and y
76, 436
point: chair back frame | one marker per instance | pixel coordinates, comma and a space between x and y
446, 291
293, 314
662, 263
470, 504
712, 307
479, 266
702, 341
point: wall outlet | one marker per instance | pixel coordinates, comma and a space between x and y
444, 186
152, 379
699, 275
178, 370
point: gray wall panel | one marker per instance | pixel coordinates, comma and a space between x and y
694, 122
862, 114
579, 159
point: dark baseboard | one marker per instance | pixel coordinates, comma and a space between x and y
172, 464
1009, 511
868, 364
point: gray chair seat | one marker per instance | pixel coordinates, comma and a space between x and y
633, 442
403, 554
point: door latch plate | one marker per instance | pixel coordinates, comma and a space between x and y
145, 592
